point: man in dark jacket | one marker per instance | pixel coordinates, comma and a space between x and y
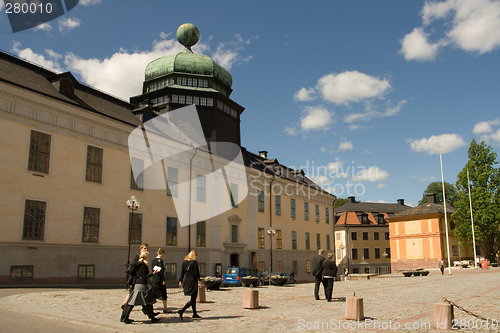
329, 273
317, 271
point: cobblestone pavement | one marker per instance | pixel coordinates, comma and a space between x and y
393, 303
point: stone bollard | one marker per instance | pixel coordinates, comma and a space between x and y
443, 316
251, 299
202, 297
354, 308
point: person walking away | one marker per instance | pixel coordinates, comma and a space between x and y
346, 274
188, 280
130, 279
317, 271
442, 267
138, 297
158, 280
329, 273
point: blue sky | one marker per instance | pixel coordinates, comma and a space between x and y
360, 94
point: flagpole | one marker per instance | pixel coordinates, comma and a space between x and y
445, 215
472, 220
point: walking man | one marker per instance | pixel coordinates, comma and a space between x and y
317, 271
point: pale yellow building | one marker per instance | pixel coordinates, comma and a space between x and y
66, 176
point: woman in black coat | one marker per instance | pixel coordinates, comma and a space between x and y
138, 297
329, 273
158, 280
189, 278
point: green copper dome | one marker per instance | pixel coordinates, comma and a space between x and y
186, 61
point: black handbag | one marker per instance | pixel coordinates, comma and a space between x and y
152, 294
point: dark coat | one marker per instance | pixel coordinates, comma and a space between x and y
190, 275
159, 277
141, 273
317, 265
329, 268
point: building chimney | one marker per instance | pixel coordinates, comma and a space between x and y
351, 200
431, 198
401, 202
263, 154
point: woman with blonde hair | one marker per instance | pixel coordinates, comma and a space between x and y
189, 278
141, 273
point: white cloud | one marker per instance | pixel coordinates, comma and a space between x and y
345, 145
427, 179
393, 111
372, 174
229, 53
381, 185
351, 86
493, 138
50, 61
67, 24
316, 118
430, 146
43, 27
416, 46
90, 2
305, 95
485, 126
291, 130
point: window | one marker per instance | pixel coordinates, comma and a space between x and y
327, 215
306, 211
170, 271
355, 271
365, 235
388, 251
279, 265
354, 254
172, 182
295, 266
94, 164
376, 236
91, 218
367, 270
279, 244
339, 254
201, 188
86, 272
171, 231
354, 235
277, 204
364, 219
260, 199
308, 266
387, 235
308, 244
136, 165
234, 233
328, 246
454, 250
135, 228
202, 267
318, 241
317, 213
201, 235
294, 240
380, 219
262, 267
292, 208
262, 240
34, 220
337, 235
39, 156
21, 272
234, 195
366, 253
377, 253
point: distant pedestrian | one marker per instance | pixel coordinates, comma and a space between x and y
329, 273
189, 279
346, 274
317, 271
442, 267
158, 280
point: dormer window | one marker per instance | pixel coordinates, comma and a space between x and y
380, 219
364, 219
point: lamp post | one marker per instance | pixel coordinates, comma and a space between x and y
342, 247
133, 204
271, 232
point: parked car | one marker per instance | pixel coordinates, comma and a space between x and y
232, 275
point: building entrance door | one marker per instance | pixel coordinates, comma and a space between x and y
235, 262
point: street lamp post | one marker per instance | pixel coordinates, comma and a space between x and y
271, 232
133, 204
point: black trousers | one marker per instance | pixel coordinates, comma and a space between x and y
328, 288
127, 309
317, 281
191, 303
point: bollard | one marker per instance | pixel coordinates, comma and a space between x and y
354, 308
251, 299
202, 297
443, 316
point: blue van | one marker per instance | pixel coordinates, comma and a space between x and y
233, 275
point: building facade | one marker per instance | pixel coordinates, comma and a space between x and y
418, 237
362, 236
67, 173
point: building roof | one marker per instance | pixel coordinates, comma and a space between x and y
65, 88
426, 209
376, 207
354, 218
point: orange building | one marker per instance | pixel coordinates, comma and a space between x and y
418, 237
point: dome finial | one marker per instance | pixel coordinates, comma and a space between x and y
188, 35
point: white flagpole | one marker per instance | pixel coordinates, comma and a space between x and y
445, 215
472, 220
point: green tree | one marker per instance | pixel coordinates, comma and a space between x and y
339, 202
437, 188
485, 185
